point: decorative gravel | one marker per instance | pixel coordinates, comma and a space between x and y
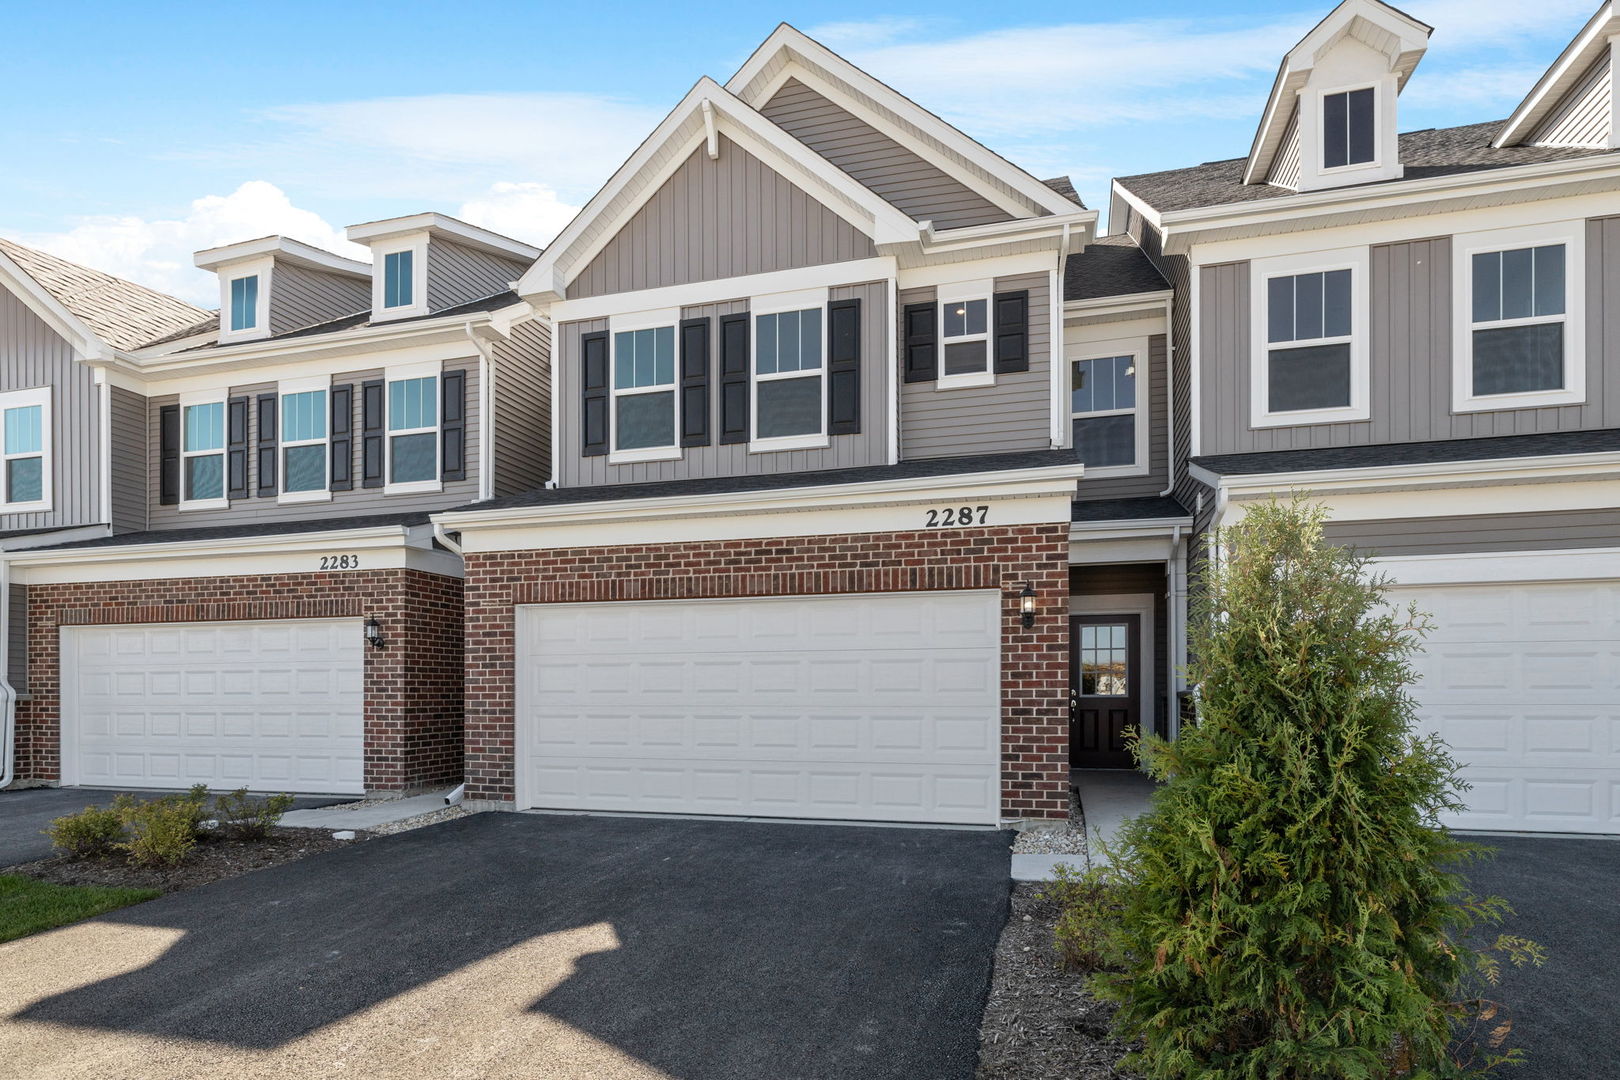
1065, 839
432, 817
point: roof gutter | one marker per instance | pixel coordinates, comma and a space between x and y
1602, 465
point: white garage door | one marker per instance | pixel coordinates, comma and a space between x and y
1523, 682
275, 706
877, 708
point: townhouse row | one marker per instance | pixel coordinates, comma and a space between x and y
828, 465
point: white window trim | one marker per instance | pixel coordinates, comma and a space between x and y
402, 373
622, 324
305, 386
1464, 246
775, 304
417, 244
262, 269
207, 397
23, 399
1261, 271
1377, 161
956, 293
1137, 350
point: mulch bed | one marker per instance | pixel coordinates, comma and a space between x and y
1040, 1023
211, 860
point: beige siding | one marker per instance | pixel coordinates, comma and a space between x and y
1013, 414
917, 188
869, 447
1548, 531
33, 355
457, 273
359, 502
720, 219
129, 461
301, 297
522, 445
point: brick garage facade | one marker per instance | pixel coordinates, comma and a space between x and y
1035, 662
413, 702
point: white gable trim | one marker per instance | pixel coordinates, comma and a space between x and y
1564, 74
39, 300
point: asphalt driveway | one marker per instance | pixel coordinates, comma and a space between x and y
1567, 895
539, 947
24, 815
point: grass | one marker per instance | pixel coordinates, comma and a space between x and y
29, 907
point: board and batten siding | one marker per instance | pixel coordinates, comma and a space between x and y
1157, 477
129, 461
1014, 413
301, 297
1550, 530
34, 355
868, 447
457, 274
918, 188
1410, 353
719, 219
357, 503
521, 448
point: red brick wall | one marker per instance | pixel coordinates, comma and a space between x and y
1035, 663
413, 686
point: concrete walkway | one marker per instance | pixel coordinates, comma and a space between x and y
1108, 798
365, 817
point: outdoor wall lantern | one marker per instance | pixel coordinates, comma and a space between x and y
374, 636
1026, 604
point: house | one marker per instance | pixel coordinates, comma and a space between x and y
1418, 329
252, 593
861, 461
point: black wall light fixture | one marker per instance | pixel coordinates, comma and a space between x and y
374, 636
1026, 604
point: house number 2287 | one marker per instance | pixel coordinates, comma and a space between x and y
340, 562
957, 516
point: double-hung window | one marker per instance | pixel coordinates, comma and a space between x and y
790, 359
964, 326
1310, 332
244, 302
304, 447
25, 432
644, 398
1107, 424
413, 431
1349, 128
202, 452
1519, 339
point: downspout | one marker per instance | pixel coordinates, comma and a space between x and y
486, 416
105, 386
8, 694
1170, 396
1059, 431
444, 540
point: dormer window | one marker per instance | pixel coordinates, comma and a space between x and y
1349, 128
245, 302
398, 277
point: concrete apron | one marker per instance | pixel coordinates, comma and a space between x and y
366, 817
1108, 798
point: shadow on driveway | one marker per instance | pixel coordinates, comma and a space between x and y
698, 949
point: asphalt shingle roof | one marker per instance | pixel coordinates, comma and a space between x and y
121, 313
1494, 448
1110, 266
1431, 152
1149, 508
1065, 187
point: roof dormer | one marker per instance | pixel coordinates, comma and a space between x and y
1331, 120
1573, 103
427, 263
273, 285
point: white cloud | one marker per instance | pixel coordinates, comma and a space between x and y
529, 211
1464, 24
158, 252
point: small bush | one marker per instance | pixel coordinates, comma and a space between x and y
161, 832
247, 817
1088, 926
91, 832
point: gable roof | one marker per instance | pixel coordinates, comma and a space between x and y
1565, 73
119, 313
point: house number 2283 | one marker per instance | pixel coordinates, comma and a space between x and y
956, 516
340, 562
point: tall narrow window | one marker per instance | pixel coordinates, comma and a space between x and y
413, 430
245, 302
202, 452
303, 441
1308, 335
788, 362
398, 279
964, 327
644, 390
1103, 405
1349, 127
25, 439
1519, 313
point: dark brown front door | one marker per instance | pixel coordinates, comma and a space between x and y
1105, 664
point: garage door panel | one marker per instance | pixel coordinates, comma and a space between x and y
272, 705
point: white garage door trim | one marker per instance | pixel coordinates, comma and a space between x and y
275, 705
876, 707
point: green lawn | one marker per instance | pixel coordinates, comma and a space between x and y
28, 906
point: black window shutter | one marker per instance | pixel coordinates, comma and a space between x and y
844, 367
371, 433
453, 426
169, 455
267, 445
695, 382
1012, 332
922, 342
593, 389
236, 440
341, 439
734, 378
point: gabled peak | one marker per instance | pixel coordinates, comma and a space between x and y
443, 227
284, 250
1334, 100
1573, 103
431, 262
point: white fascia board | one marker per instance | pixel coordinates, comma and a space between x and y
1500, 567
1149, 214
793, 40
1550, 467
822, 276
1124, 303
1081, 227
446, 226
1091, 550
1580, 54
1130, 528
40, 301
283, 249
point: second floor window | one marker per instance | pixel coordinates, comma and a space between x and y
644, 389
1308, 328
303, 441
24, 432
245, 302
413, 430
1102, 402
964, 329
1518, 317
202, 452
1349, 125
398, 279
788, 361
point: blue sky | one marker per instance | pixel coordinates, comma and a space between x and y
136, 134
